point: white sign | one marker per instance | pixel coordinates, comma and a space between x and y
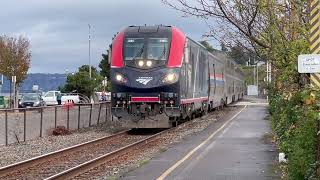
309, 63
252, 90
14, 79
35, 88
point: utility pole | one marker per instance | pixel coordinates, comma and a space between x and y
105, 83
89, 51
270, 71
257, 78
267, 79
254, 73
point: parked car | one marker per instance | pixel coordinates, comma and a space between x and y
31, 100
50, 98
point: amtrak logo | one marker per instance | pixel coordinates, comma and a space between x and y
144, 80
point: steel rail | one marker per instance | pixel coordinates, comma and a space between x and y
84, 167
39, 159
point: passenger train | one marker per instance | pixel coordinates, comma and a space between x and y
160, 76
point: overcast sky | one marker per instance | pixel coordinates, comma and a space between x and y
58, 29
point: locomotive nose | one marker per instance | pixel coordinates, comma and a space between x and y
145, 79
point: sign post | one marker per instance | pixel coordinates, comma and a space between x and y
315, 40
314, 62
14, 80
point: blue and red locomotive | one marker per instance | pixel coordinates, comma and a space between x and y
160, 76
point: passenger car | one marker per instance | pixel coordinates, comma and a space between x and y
160, 76
31, 100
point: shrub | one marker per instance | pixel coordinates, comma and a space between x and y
295, 125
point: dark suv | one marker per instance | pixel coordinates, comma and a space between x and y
31, 100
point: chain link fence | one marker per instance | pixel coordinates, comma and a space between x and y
19, 125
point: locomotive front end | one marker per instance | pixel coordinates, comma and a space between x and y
145, 70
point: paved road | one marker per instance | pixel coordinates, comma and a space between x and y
236, 152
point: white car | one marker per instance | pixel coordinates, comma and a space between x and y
50, 98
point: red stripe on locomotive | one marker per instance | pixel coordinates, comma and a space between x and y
117, 51
178, 40
145, 99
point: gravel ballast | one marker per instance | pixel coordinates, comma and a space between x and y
17, 152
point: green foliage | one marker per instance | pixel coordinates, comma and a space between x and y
239, 55
248, 75
15, 57
207, 46
295, 124
104, 66
243, 56
223, 47
80, 81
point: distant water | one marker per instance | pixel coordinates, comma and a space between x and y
5, 94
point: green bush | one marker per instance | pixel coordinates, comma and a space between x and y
295, 125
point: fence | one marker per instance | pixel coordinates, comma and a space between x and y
17, 125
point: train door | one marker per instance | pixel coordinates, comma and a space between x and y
214, 79
203, 74
233, 91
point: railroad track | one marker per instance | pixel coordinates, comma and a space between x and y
97, 167
82, 171
58, 162
87, 160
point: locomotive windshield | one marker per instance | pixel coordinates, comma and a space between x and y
156, 48
133, 48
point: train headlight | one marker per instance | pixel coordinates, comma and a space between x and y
170, 78
149, 63
140, 63
120, 78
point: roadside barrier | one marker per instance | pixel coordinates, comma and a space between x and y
19, 125
68, 104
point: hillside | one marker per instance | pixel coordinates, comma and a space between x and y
46, 82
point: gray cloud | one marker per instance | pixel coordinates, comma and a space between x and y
58, 29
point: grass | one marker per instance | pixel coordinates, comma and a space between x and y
144, 161
113, 177
163, 149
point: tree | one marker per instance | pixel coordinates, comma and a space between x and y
15, 58
80, 82
243, 56
270, 29
224, 47
207, 46
105, 66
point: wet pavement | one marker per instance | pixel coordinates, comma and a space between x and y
237, 149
